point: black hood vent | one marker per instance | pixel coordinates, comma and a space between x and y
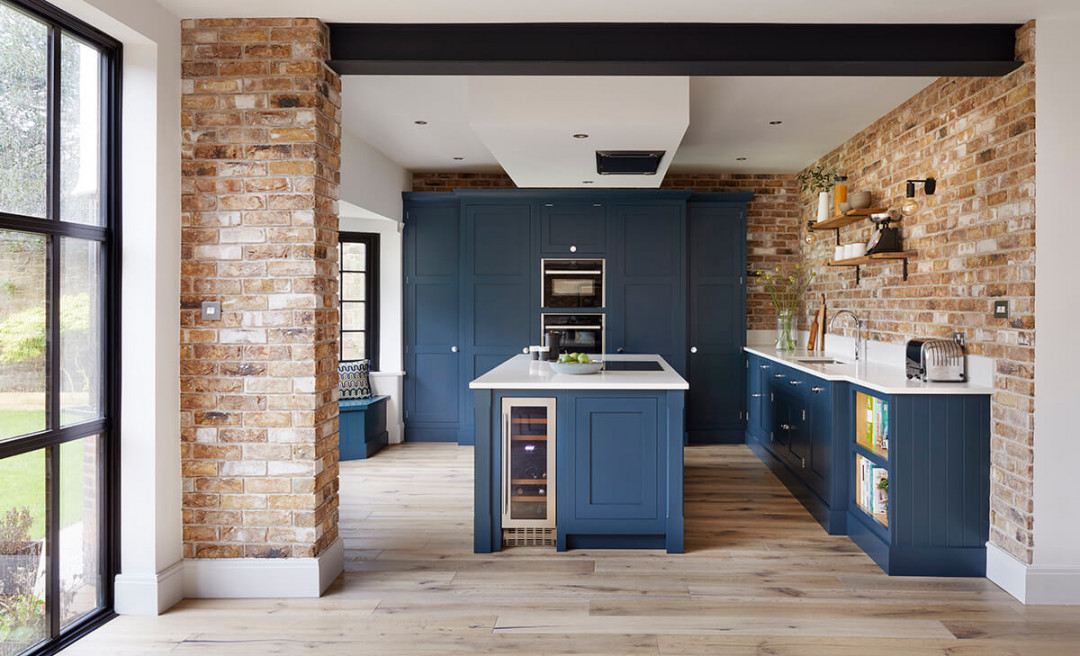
628, 162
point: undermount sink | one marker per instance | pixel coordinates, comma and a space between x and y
818, 361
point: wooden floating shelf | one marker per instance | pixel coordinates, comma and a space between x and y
873, 257
847, 218
867, 259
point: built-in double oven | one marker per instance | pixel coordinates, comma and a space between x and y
573, 292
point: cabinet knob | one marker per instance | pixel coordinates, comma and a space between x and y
573, 249
619, 350
693, 349
525, 350
795, 382
453, 349
786, 427
816, 390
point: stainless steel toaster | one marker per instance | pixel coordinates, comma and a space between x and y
936, 360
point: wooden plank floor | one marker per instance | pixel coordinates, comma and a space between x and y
759, 577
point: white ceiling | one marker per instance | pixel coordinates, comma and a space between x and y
729, 118
528, 124
718, 11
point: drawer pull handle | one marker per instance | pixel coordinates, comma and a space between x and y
779, 376
795, 382
764, 366
816, 389
755, 396
786, 427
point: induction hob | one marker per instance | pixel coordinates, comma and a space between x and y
632, 365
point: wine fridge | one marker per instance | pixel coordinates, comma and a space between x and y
528, 459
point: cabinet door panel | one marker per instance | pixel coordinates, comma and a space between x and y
500, 272
821, 437
717, 322
433, 391
647, 282
578, 225
618, 460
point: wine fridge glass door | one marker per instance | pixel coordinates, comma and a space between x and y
528, 448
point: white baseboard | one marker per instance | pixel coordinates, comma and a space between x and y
151, 594
257, 578
1032, 584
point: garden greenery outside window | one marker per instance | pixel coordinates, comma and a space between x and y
358, 293
59, 96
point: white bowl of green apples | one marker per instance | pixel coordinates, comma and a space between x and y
576, 364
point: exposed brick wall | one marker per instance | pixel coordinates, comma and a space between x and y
975, 243
773, 218
261, 156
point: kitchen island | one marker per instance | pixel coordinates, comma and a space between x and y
617, 457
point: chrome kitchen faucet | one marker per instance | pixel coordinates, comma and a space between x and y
858, 329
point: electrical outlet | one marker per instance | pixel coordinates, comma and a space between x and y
960, 339
211, 310
1001, 309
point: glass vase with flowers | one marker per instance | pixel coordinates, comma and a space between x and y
786, 292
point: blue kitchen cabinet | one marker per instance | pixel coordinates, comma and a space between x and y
616, 467
572, 229
434, 394
646, 281
938, 463
501, 314
795, 435
717, 320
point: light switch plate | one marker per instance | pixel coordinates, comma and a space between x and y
1001, 309
211, 310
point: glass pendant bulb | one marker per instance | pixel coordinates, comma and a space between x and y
909, 206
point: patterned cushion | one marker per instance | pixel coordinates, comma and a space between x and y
354, 382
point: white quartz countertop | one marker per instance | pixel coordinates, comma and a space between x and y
520, 372
884, 378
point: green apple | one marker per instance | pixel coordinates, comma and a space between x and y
583, 358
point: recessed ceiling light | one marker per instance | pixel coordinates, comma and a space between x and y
581, 135
586, 182
775, 122
459, 158
420, 122
740, 159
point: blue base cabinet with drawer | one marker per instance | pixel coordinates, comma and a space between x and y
618, 474
790, 426
832, 443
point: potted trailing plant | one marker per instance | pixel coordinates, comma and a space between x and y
818, 179
18, 554
786, 292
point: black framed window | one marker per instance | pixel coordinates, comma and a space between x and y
59, 304
359, 296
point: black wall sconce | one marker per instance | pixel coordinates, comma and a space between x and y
910, 205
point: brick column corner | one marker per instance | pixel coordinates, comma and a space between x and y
261, 122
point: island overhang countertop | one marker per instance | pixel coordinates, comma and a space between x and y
522, 373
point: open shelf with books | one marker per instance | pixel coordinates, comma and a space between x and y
872, 489
872, 424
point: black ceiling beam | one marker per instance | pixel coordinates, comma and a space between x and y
673, 49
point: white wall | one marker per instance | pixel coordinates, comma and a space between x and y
150, 542
371, 186
388, 380
1055, 575
370, 179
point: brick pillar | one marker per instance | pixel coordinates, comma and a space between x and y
261, 157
